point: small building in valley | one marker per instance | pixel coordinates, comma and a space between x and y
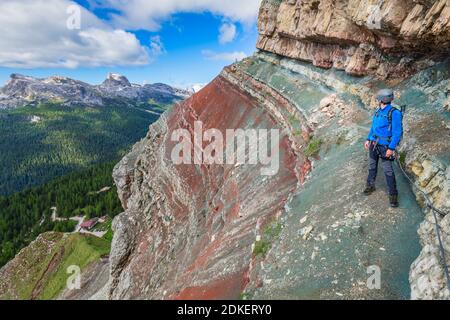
89, 225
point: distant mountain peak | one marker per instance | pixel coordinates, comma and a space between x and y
18, 76
116, 80
196, 87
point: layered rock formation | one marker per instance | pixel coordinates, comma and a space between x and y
193, 226
389, 39
217, 231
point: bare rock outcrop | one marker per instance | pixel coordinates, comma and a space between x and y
192, 226
389, 39
427, 276
428, 280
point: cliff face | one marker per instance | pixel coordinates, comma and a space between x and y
389, 39
192, 227
221, 231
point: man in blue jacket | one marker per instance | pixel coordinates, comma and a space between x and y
383, 139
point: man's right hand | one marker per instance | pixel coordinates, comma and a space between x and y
367, 145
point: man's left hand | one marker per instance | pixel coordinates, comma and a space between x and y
389, 153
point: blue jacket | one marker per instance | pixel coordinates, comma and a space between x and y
380, 128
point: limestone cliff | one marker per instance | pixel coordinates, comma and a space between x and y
221, 231
389, 39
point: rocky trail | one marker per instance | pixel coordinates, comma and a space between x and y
350, 233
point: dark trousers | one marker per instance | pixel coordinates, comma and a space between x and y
374, 157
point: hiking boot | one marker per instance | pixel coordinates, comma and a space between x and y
394, 201
369, 190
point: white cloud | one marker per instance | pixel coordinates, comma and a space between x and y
156, 46
227, 33
224, 56
34, 33
145, 14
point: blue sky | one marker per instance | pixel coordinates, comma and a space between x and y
175, 42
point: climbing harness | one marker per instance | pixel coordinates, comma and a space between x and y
376, 147
435, 211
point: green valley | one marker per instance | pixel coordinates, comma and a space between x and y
60, 140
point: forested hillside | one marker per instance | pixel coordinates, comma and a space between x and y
56, 158
39, 143
25, 215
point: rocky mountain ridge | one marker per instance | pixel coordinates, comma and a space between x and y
24, 90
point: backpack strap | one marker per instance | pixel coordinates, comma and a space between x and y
390, 113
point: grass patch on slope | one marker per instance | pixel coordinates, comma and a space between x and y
33, 261
40, 270
270, 234
79, 250
313, 147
